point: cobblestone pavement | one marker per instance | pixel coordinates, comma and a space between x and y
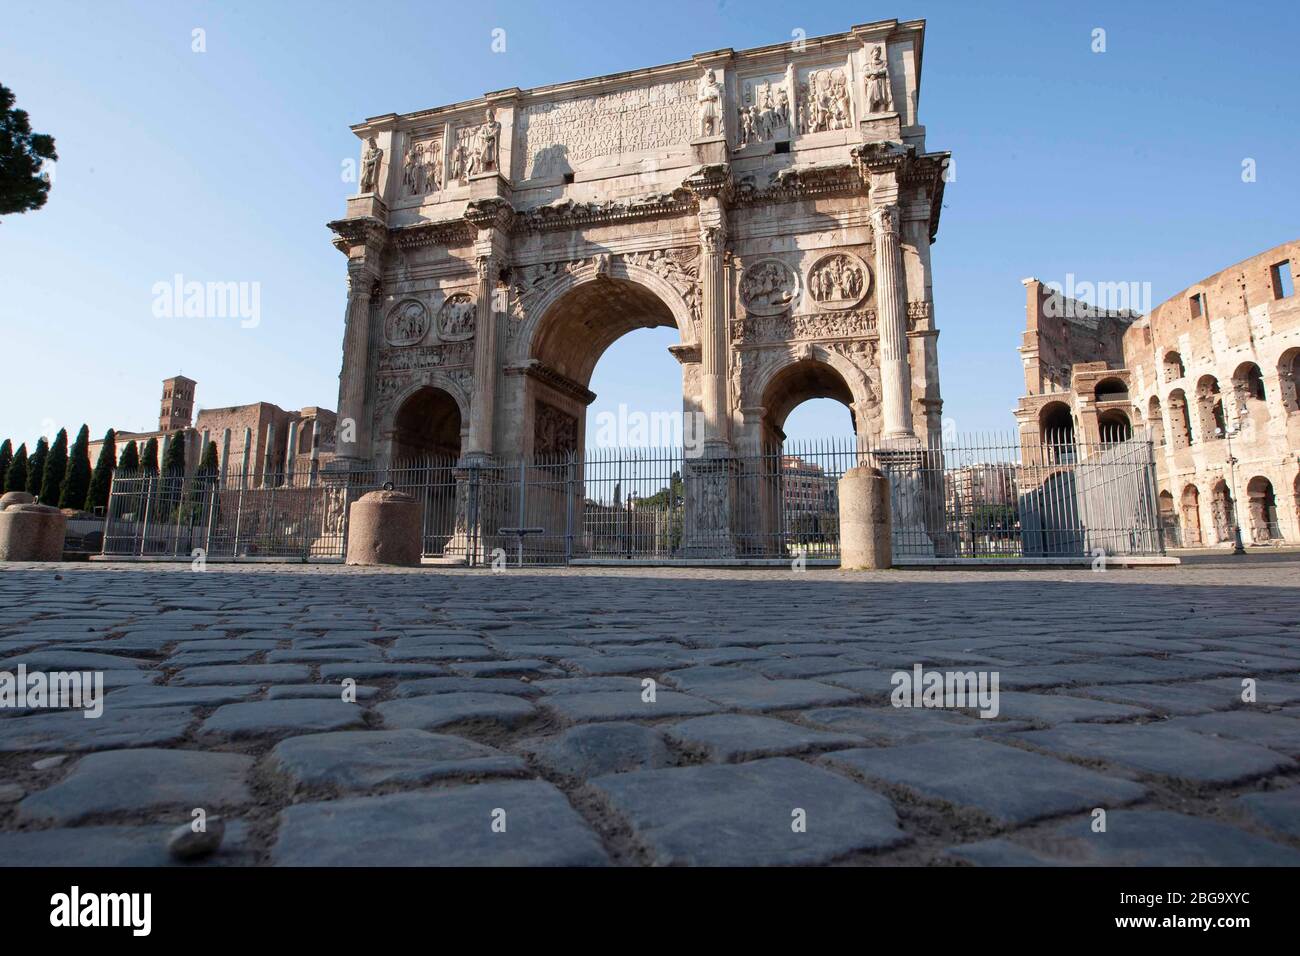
503, 718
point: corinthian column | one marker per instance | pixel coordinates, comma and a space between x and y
483, 411
713, 344
356, 363
891, 319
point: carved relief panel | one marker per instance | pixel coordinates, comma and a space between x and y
838, 281
476, 148
765, 112
456, 317
768, 287
407, 323
824, 101
422, 164
555, 431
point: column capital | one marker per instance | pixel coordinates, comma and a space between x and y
710, 182
492, 213
884, 219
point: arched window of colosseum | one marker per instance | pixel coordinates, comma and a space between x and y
1173, 366
1263, 510
1114, 426
1056, 428
1209, 408
1169, 519
1288, 373
1111, 390
1191, 508
1155, 422
1180, 421
1222, 511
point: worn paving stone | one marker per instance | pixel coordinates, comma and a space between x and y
463, 685
589, 685
440, 828
742, 814
1278, 809
137, 780
1267, 692
322, 655
1193, 698
258, 718
1010, 785
522, 666
1274, 731
1155, 748
439, 710
365, 759
895, 725
374, 670
592, 750
1134, 838
318, 691
625, 705
1059, 708
97, 846
729, 738
262, 674
750, 692
159, 695
69, 731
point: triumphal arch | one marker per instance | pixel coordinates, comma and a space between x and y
776, 206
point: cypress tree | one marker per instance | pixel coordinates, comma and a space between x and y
102, 479
16, 473
36, 466
56, 466
130, 460
76, 483
174, 460
149, 457
6, 458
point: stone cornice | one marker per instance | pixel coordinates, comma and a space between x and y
794, 183
362, 231
712, 180
447, 232
572, 215
490, 213
534, 369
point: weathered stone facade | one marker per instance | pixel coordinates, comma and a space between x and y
1213, 367
776, 206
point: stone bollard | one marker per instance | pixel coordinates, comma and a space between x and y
385, 527
28, 531
865, 526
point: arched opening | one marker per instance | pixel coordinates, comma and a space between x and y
1114, 427
1264, 525
1111, 390
606, 399
575, 333
796, 498
1288, 373
1156, 422
1223, 511
1209, 408
426, 426
1248, 391
1169, 519
1180, 419
1056, 428
1173, 366
424, 451
1191, 507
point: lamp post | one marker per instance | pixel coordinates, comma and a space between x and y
1237, 546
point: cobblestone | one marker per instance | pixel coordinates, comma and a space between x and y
524, 693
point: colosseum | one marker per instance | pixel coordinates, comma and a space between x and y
1210, 374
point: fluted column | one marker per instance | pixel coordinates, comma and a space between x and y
891, 320
482, 413
356, 362
713, 344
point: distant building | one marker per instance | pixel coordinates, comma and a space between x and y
253, 441
805, 487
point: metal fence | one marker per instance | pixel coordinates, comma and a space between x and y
984, 498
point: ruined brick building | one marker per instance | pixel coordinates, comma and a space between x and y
1210, 374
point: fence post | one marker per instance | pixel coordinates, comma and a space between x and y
568, 508
108, 513
144, 524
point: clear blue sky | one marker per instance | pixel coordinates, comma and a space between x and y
225, 166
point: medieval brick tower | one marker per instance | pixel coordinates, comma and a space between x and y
177, 403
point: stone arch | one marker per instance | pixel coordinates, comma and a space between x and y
1110, 390
1114, 426
1262, 508
638, 280
1172, 364
1168, 515
1288, 375
1180, 419
1223, 510
1056, 432
813, 371
1209, 408
1190, 504
428, 418
1156, 421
